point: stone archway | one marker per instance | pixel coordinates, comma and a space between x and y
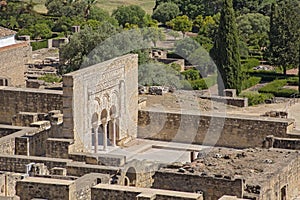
131, 175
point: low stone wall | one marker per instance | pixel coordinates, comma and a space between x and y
233, 101
236, 131
58, 147
282, 143
100, 159
212, 188
16, 163
45, 188
116, 192
15, 100
7, 143
33, 144
80, 169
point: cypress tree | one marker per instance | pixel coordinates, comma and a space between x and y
225, 52
284, 34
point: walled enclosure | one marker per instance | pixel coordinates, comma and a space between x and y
251, 174
15, 100
228, 131
13, 59
101, 99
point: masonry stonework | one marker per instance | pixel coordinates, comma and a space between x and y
13, 59
228, 131
14, 100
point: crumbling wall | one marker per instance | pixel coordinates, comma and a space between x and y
31, 188
58, 147
17, 163
286, 180
282, 143
14, 100
80, 169
212, 188
116, 192
228, 131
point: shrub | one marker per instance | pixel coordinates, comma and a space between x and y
39, 45
293, 81
249, 82
191, 74
276, 88
255, 98
185, 85
250, 63
50, 78
199, 84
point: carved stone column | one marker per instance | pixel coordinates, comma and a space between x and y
114, 132
104, 124
96, 140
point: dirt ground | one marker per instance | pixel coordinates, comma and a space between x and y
188, 100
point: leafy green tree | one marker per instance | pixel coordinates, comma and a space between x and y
191, 74
101, 15
284, 34
191, 8
181, 23
154, 34
158, 74
254, 28
166, 12
174, 34
186, 47
132, 14
66, 8
202, 61
82, 43
41, 31
226, 51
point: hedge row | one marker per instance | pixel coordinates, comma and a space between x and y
255, 98
276, 88
249, 82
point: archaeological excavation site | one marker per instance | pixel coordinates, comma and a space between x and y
95, 136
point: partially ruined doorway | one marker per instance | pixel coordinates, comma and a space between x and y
131, 175
283, 193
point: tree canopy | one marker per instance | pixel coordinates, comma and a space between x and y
132, 14
166, 12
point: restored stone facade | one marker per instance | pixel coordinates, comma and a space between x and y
101, 101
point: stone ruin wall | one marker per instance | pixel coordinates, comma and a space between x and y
14, 100
13, 59
288, 177
212, 188
236, 132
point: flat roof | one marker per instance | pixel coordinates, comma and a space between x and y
255, 166
49, 181
31, 90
